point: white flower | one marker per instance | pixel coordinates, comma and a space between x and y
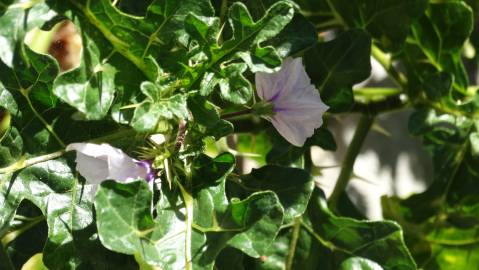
297, 106
99, 162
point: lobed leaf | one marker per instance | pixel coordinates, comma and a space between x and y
335, 66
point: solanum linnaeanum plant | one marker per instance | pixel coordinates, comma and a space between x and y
159, 86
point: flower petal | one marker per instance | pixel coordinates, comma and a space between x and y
101, 162
121, 167
296, 102
296, 129
269, 86
94, 170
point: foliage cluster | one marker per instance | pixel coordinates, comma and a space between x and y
176, 68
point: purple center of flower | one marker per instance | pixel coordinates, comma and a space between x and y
273, 101
150, 172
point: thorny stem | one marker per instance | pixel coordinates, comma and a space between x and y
364, 125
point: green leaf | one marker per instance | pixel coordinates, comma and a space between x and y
35, 263
35, 73
335, 66
263, 215
30, 99
450, 243
323, 138
474, 140
230, 258
293, 187
4, 5
437, 40
317, 12
246, 45
441, 223
283, 153
298, 35
388, 21
357, 263
207, 118
447, 138
257, 144
90, 88
156, 108
306, 252
52, 187
144, 41
249, 225
380, 241
214, 170
19, 18
168, 240
125, 225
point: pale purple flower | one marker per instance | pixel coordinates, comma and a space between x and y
148, 166
99, 162
297, 106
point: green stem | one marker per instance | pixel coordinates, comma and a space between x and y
293, 243
40, 117
389, 104
335, 12
458, 159
364, 125
385, 61
12, 235
236, 114
5, 261
215, 229
375, 92
23, 163
328, 24
223, 10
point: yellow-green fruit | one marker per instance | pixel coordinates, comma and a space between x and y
5, 119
